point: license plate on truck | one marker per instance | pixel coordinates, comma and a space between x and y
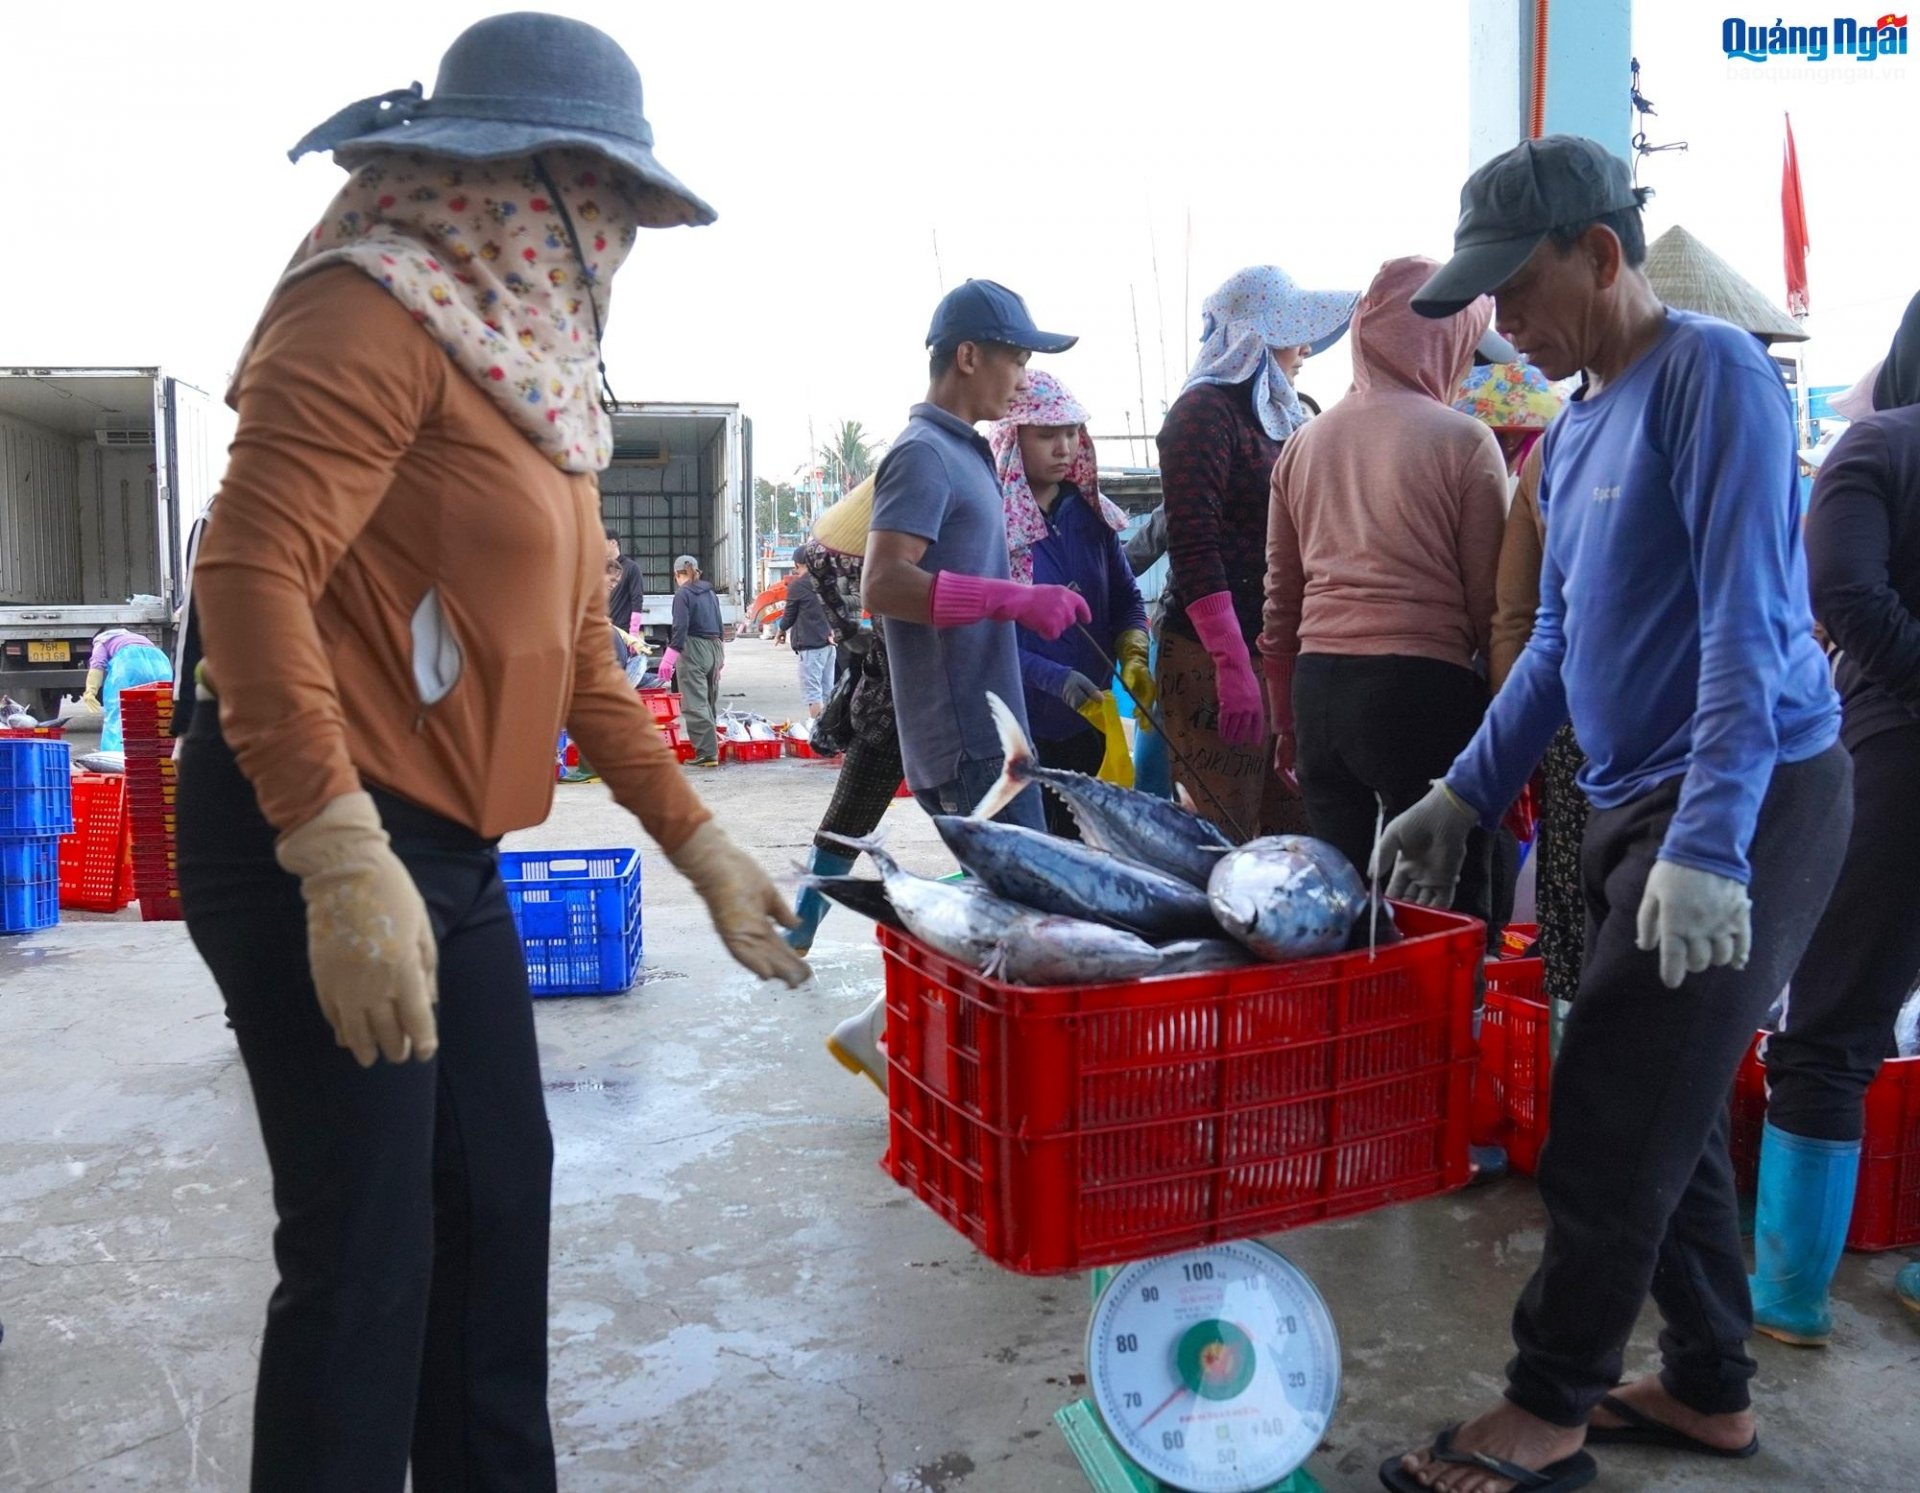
49, 653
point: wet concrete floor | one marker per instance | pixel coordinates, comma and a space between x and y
742, 1301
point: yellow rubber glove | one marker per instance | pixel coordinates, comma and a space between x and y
743, 902
96, 680
369, 942
1130, 650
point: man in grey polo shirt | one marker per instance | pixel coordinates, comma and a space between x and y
936, 571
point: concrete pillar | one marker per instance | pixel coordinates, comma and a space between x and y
1589, 61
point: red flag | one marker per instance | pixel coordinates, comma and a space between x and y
1793, 211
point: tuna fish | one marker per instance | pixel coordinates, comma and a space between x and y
1001, 939
1136, 827
1075, 880
1284, 901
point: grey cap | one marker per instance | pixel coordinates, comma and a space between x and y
1510, 204
514, 85
685, 562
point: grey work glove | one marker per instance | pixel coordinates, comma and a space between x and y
1422, 850
1697, 921
743, 902
370, 943
1077, 691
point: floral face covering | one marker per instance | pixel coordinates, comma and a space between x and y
479, 253
1045, 401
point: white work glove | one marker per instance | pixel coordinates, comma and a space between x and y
1422, 850
369, 941
743, 902
1697, 921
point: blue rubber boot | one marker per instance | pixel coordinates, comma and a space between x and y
1906, 1286
811, 906
1800, 1225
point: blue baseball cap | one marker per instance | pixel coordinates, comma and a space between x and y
983, 311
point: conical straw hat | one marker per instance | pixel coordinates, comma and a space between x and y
843, 527
1687, 274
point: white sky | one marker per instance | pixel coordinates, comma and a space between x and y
1051, 146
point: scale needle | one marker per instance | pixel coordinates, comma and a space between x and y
1181, 1390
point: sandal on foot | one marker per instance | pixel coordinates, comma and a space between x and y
1563, 1476
1643, 1430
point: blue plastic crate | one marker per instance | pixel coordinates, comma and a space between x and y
578, 912
36, 792
29, 883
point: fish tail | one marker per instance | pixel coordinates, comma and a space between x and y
1018, 752
870, 845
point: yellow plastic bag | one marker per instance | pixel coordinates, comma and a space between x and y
1117, 765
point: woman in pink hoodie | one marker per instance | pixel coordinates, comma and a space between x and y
1383, 540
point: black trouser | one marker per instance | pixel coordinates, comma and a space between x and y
1863, 957
1388, 726
1084, 751
410, 1320
865, 787
1635, 1176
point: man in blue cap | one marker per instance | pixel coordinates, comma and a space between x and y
1675, 631
936, 570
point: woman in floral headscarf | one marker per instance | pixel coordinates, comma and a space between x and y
1218, 445
401, 595
1062, 532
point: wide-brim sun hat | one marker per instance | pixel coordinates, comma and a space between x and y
516, 85
843, 527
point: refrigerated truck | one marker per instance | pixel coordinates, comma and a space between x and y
103, 472
681, 483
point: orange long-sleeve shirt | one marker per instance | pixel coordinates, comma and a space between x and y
396, 587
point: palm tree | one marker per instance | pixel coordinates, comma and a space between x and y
849, 455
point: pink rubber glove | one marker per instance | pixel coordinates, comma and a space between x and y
667, 661
1048, 610
1243, 714
1279, 676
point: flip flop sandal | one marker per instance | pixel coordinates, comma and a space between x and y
1563, 1476
1644, 1430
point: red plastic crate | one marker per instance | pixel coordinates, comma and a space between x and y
147, 714
1886, 1199
749, 751
683, 750
1064, 1128
44, 733
664, 703
96, 860
1512, 1082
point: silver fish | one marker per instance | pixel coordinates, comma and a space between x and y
1002, 939
1136, 827
1284, 901
1076, 881
1194, 956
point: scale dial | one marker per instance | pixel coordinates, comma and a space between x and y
1217, 1370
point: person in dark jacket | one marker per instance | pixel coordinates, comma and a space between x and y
628, 597
1062, 532
696, 653
808, 631
1863, 552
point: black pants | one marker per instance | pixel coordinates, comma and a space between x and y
868, 781
1386, 726
410, 1320
1084, 751
1863, 957
1634, 1174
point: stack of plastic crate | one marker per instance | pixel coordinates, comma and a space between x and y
96, 860
146, 714
36, 809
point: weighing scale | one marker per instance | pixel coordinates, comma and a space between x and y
1212, 1371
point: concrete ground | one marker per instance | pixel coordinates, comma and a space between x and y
742, 1301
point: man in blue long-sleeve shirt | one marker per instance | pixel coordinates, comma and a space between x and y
1675, 631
